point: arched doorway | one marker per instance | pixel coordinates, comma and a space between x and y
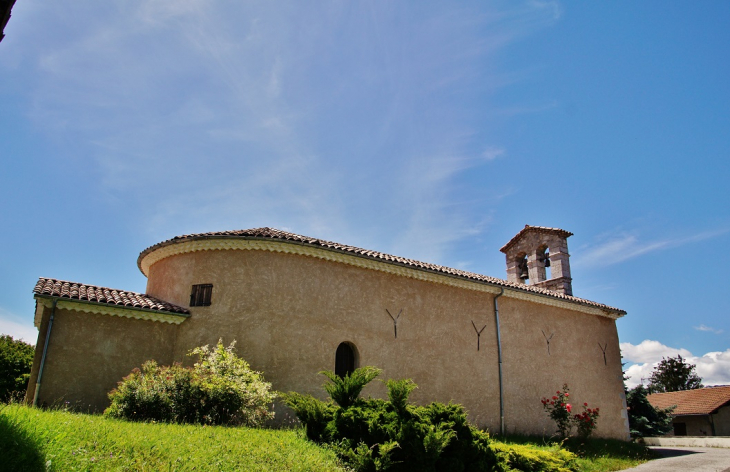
344, 360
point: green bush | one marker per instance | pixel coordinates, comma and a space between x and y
219, 389
393, 435
345, 390
16, 359
529, 459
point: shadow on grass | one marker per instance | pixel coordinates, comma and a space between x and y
20, 450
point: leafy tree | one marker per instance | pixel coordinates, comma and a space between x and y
16, 359
674, 374
644, 419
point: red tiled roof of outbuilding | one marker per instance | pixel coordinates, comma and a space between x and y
701, 401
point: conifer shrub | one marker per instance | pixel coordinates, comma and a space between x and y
393, 435
219, 389
644, 419
530, 459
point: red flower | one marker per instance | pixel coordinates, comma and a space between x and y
568, 407
585, 404
555, 398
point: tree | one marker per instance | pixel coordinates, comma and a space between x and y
674, 374
644, 419
16, 359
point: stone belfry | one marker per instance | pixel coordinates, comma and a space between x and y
537, 251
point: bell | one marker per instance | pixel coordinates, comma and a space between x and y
524, 274
547, 260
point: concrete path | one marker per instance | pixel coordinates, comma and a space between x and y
686, 459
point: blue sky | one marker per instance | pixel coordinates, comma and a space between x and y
428, 130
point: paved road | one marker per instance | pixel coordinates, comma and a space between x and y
686, 459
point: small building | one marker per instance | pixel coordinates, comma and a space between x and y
298, 305
698, 412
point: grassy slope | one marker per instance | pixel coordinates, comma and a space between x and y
30, 438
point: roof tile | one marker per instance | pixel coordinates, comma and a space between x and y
271, 233
91, 293
701, 401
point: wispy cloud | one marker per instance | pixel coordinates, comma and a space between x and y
491, 153
338, 120
708, 329
712, 367
629, 246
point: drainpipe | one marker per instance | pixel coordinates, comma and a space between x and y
499, 357
45, 351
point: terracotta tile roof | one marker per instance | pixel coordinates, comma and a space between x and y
271, 233
535, 229
701, 401
91, 293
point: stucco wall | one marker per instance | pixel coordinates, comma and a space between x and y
89, 353
697, 425
289, 313
722, 421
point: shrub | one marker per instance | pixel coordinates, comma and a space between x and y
528, 459
219, 389
345, 390
560, 411
585, 422
393, 435
16, 359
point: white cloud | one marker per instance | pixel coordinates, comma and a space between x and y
650, 351
11, 324
628, 246
708, 329
712, 367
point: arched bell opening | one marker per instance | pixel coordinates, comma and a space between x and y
543, 259
522, 272
346, 359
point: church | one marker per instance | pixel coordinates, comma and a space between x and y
297, 305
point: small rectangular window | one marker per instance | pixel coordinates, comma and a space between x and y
201, 294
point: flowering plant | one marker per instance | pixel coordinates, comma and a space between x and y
559, 410
586, 421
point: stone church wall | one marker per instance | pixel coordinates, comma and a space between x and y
288, 313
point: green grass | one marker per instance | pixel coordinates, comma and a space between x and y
594, 455
37, 440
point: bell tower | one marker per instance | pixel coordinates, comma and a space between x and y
539, 256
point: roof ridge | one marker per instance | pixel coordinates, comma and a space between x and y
277, 234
